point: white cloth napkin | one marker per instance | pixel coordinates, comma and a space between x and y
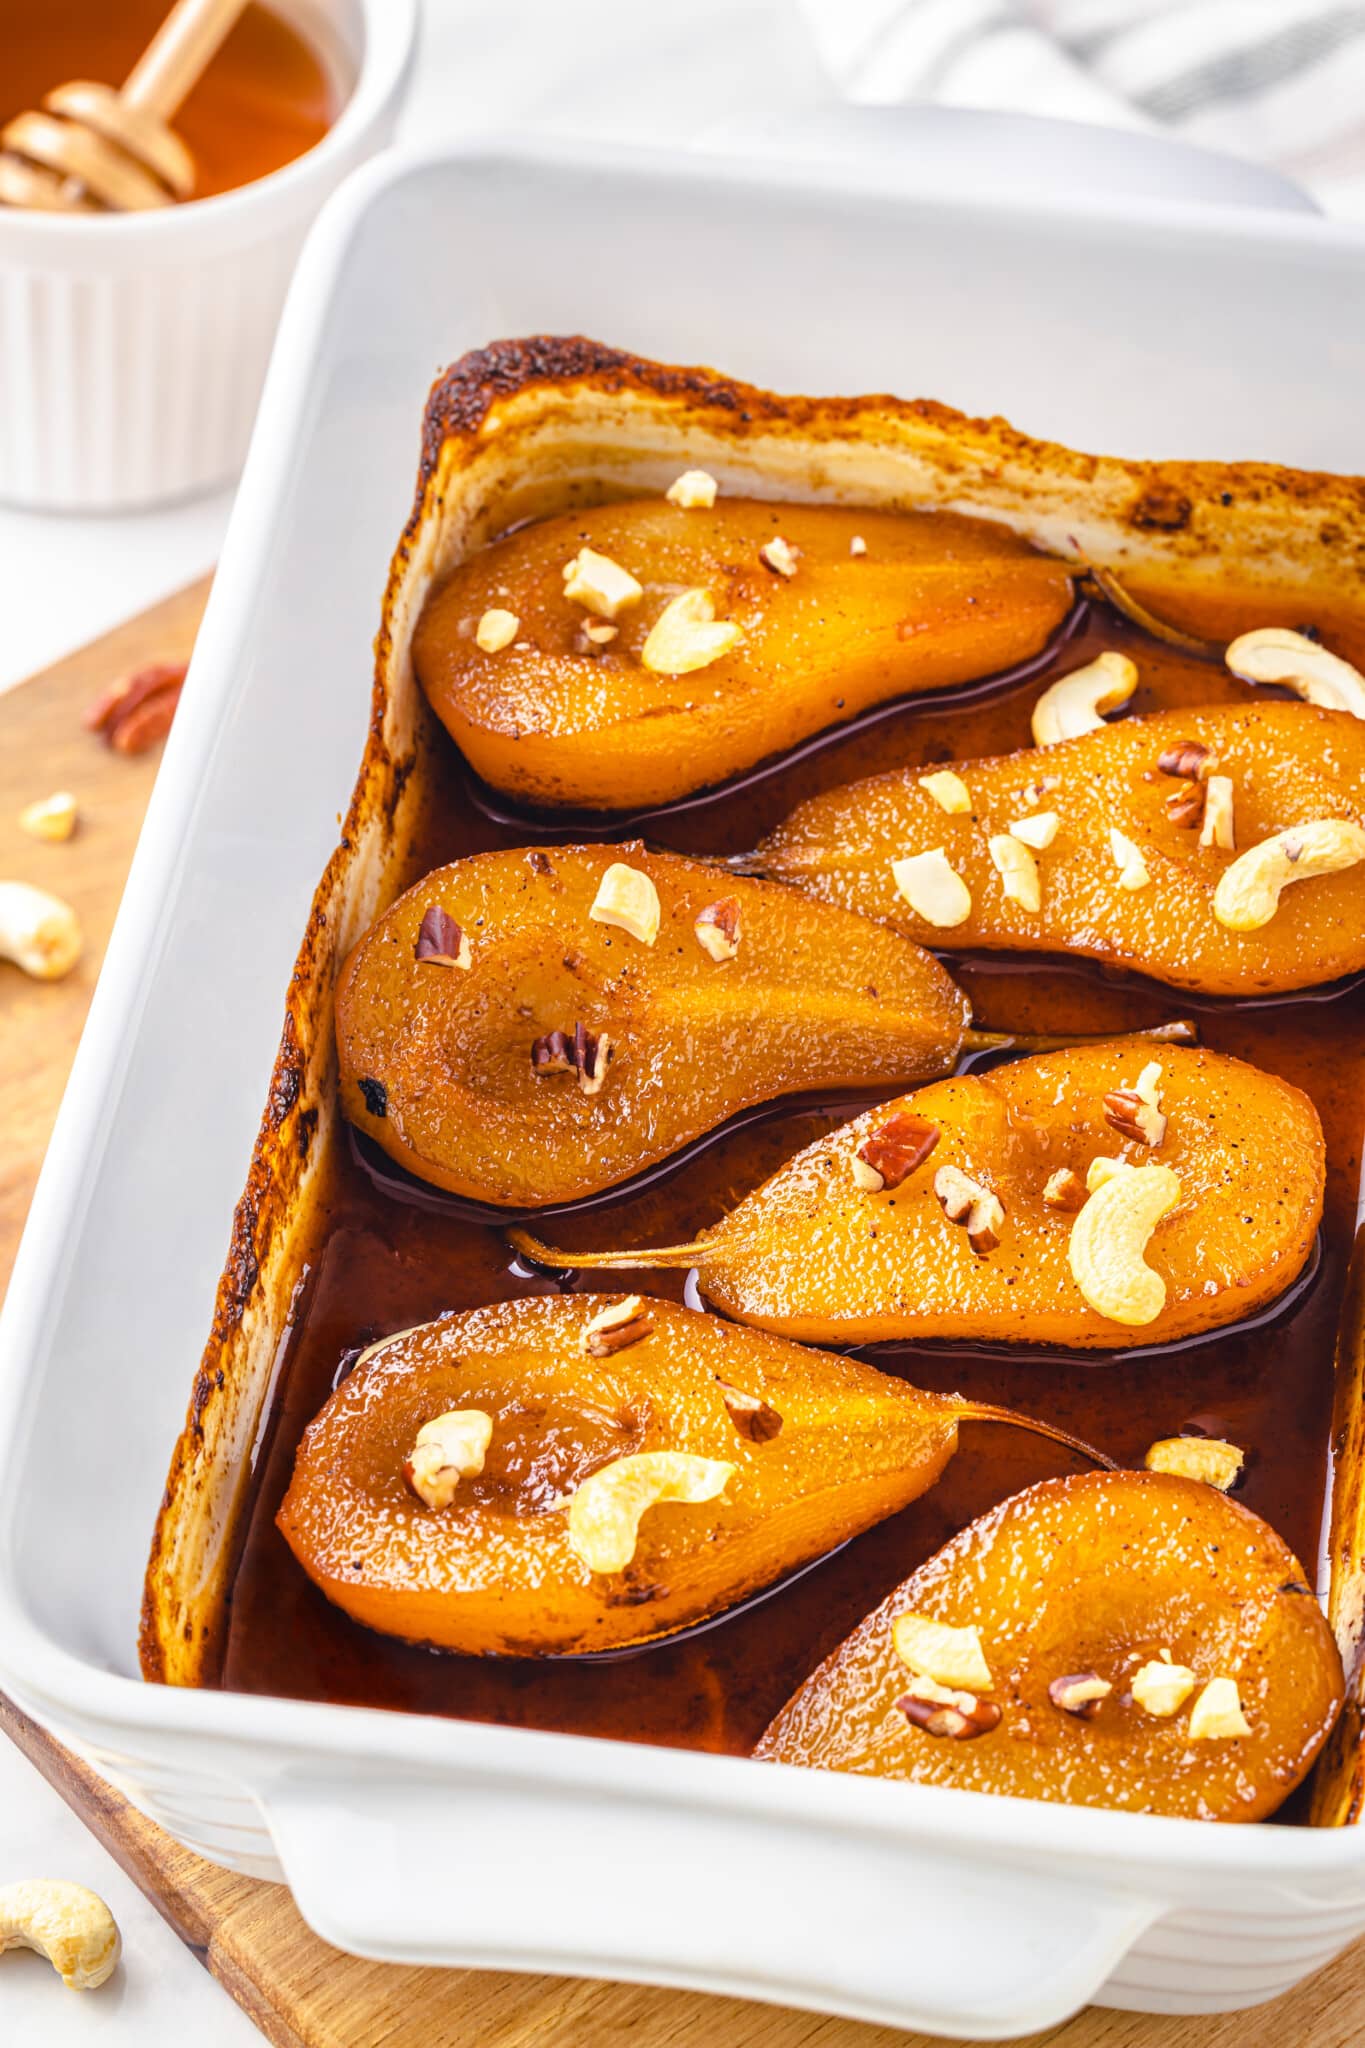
1282, 81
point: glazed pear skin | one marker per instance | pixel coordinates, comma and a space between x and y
814, 997
1288, 763
1099, 1574
495, 1574
818, 1258
552, 720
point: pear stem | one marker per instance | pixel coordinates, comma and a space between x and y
541, 1254
981, 1411
1180, 1031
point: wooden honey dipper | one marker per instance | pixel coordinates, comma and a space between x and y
92, 149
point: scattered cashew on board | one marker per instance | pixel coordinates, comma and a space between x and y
65, 1922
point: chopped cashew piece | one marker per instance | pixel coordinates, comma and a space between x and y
1248, 892
1104, 1169
1218, 829
780, 556
1108, 1240
1039, 831
1217, 1713
1210, 1458
1072, 705
947, 1655
933, 888
1018, 870
69, 1925
627, 898
600, 584
949, 791
1128, 860
449, 1448
694, 489
52, 817
857, 546
1277, 654
605, 1511
38, 932
496, 629
1162, 1688
687, 635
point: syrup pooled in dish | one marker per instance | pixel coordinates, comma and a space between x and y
564, 1476
619, 657
1089, 1198
1220, 848
529, 1028
483, 1045
1130, 1640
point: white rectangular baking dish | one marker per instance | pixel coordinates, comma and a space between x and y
1161, 331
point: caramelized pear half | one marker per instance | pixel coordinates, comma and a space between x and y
456, 1069
553, 718
818, 1255
1286, 764
1093, 1578
791, 1451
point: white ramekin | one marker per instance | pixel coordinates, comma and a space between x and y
133, 346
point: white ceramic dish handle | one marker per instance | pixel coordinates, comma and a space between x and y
521, 1877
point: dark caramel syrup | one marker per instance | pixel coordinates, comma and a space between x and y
266, 97
378, 1264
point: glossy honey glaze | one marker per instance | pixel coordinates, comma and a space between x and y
379, 1263
266, 97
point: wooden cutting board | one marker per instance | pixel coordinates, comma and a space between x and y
300, 1992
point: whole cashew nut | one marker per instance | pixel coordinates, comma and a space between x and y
1277, 654
1248, 892
38, 932
1108, 1240
1072, 705
69, 1925
605, 1511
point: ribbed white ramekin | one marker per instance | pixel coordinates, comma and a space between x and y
133, 346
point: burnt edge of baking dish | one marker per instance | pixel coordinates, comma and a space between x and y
1167, 516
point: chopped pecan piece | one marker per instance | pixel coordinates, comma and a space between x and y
976, 1208
752, 1417
1185, 806
1188, 761
137, 710
615, 1328
586, 1053
440, 941
1135, 1113
892, 1152
960, 1716
717, 929
1065, 1190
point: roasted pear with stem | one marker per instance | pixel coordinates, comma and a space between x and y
527, 1028
1120, 1639
1097, 1197
582, 692
1219, 849
568, 1474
